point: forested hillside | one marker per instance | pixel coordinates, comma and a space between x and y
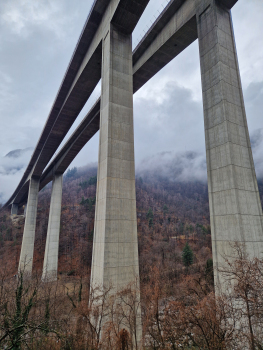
177, 301
168, 214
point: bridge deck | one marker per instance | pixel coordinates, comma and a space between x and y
163, 42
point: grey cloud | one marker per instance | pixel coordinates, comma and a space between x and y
256, 138
18, 153
254, 92
36, 43
180, 167
173, 125
27, 15
8, 184
15, 161
253, 96
12, 167
168, 134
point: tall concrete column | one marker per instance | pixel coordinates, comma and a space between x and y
27, 249
50, 266
14, 209
235, 208
115, 246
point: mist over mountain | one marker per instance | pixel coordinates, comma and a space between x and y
15, 160
181, 167
12, 167
177, 167
19, 152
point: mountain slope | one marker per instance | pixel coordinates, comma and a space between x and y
168, 214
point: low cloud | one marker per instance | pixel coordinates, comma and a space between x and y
12, 168
256, 138
28, 16
178, 167
167, 119
253, 95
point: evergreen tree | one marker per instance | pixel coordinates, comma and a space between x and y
187, 255
150, 222
150, 217
92, 180
165, 209
209, 271
71, 173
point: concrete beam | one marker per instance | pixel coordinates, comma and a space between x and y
227, 3
115, 247
87, 76
235, 208
82, 75
161, 52
89, 30
171, 33
157, 27
27, 249
183, 32
21, 197
71, 108
50, 266
87, 128
14, 209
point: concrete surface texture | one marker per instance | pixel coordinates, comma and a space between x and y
161, 44
235, 208
171, 33
115, 247
27, 249
115, 252
14, 209
81, 78
50, 266
105, 51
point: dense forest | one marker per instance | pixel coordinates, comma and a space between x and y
168, 214
178, 306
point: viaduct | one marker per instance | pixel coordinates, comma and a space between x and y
104, 51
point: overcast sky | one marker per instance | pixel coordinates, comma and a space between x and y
36, 43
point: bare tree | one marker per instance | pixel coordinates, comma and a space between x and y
244, 278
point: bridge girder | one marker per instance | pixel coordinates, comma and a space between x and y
157, 48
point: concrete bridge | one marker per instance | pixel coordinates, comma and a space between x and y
104, 51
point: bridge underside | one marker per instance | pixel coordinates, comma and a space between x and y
104, 51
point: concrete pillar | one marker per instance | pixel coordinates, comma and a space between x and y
27, 249
115, 246
235, 208
50, 266
14, 209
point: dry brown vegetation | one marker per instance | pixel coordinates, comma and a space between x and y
178, 306
67, 315
168, 214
